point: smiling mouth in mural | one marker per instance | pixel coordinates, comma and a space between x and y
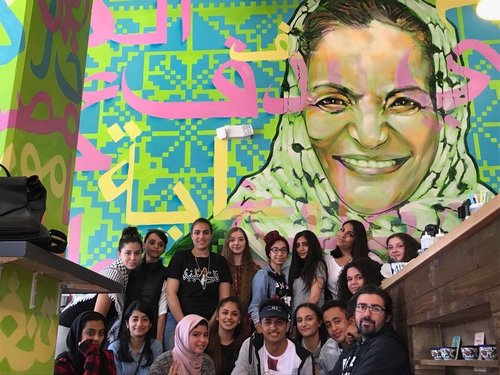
366, 165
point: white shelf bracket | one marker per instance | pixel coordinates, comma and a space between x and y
34, 282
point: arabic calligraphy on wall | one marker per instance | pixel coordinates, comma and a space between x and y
161, 77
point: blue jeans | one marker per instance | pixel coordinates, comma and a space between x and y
169, 332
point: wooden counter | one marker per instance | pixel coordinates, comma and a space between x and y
452, 289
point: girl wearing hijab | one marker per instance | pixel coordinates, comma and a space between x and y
85, 354
187, 357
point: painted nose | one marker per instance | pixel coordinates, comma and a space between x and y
370, 128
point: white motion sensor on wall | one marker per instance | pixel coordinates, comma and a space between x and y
234, 131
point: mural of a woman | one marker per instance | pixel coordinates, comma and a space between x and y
376, 141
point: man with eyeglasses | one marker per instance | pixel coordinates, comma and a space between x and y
379, 350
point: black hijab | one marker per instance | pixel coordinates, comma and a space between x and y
75, 336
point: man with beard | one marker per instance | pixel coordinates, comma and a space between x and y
379, 350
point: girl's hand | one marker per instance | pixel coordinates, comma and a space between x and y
174, 368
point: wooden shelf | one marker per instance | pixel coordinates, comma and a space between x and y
463, 310
451, 289
73, 277
457, 363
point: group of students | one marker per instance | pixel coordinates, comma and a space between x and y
214, 296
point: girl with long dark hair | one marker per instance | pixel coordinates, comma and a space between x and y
352, 243
147, 281
110, 305
310, 333
136, 349
197, 280
402, 247
308, 274
226, 335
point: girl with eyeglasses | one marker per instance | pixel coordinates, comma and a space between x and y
271, 281
359, 272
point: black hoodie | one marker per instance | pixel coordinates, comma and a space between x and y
382, 354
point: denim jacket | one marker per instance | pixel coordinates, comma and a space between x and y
263, 287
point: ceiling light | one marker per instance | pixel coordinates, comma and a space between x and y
489, 10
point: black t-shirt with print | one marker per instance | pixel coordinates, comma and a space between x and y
192, 297
282, 290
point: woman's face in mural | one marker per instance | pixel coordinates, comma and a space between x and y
370, 115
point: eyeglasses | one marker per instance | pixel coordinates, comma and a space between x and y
374, 309
277, 250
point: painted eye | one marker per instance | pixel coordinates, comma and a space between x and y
332, 104
403, 105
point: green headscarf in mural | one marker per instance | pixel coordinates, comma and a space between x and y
293, 191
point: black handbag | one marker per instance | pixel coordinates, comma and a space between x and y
22, 205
